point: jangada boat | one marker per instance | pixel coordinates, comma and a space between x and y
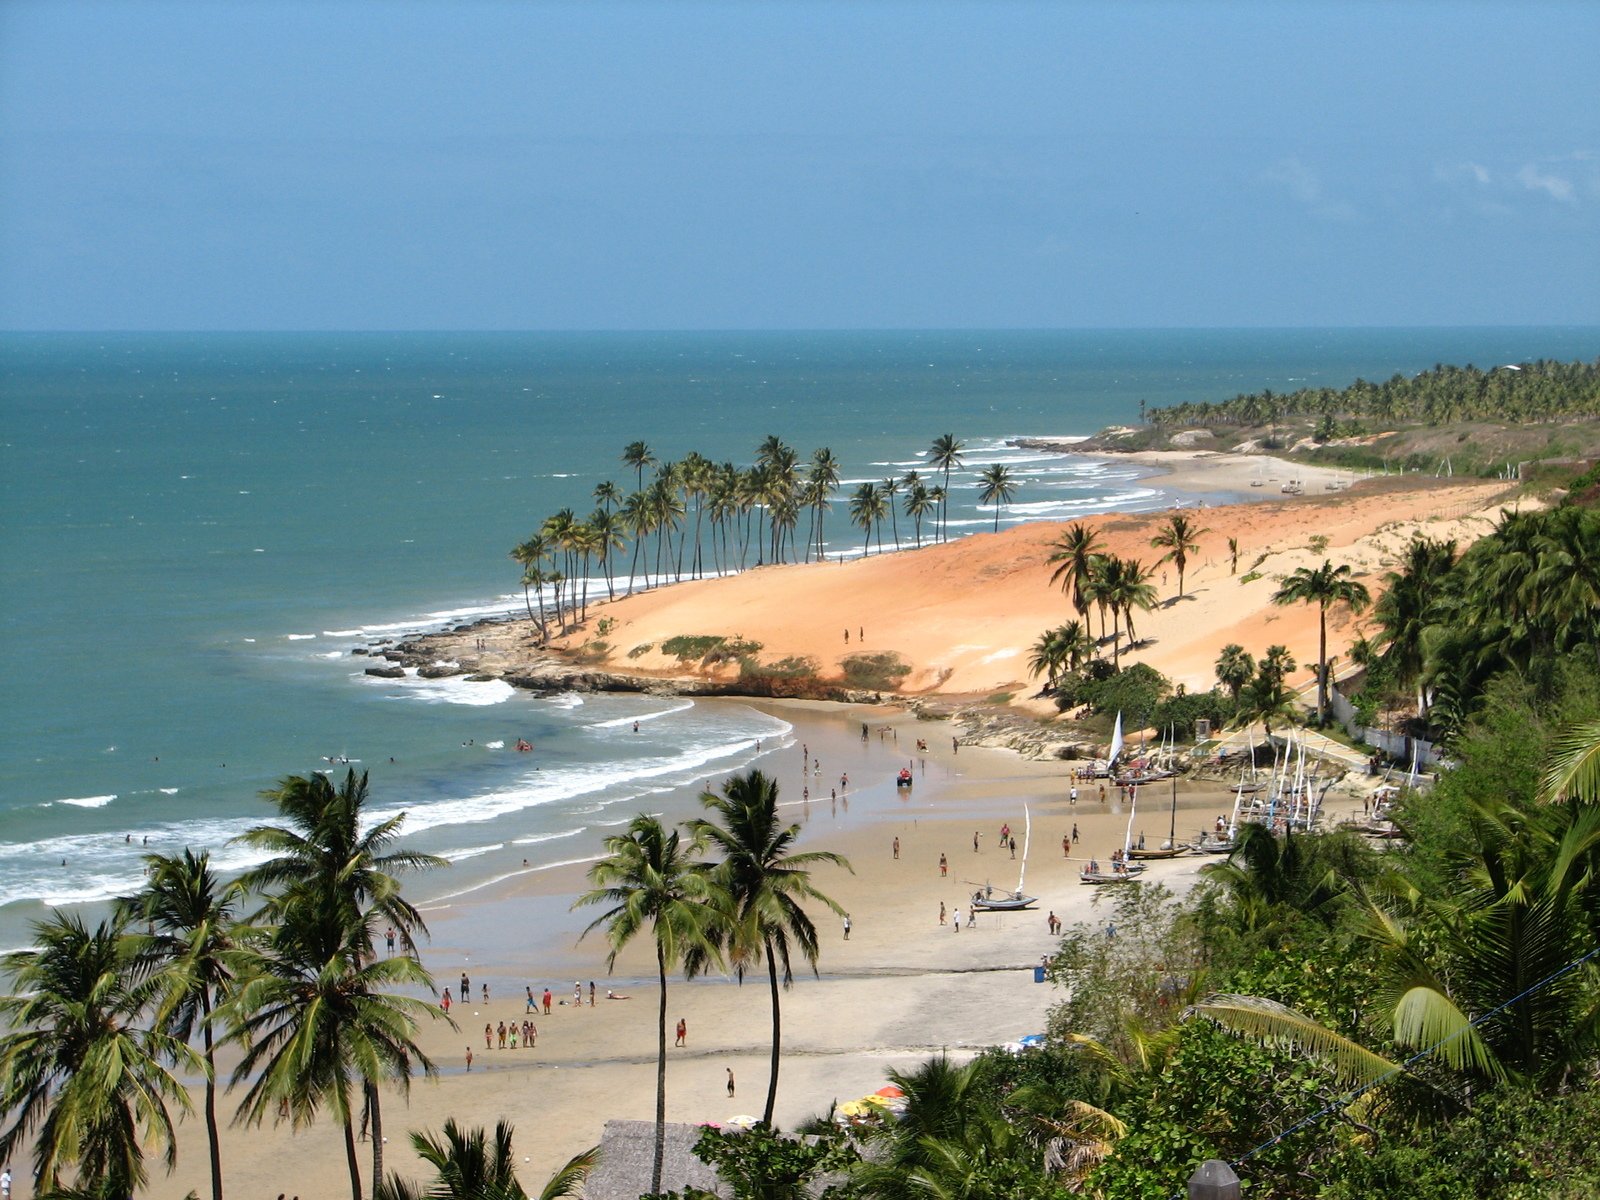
1014, 901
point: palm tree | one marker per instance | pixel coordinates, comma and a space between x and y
191, 915
328, 885
319, 1017
466, 1167
1063, 648
1233, 556
1074, 553
607, 495
767, 885
996, 486
1267, 698
1235, 666
638, 456
890, 488
638, 520
1408, 606
1179, 538
649, 881
945, 454
866, 510
78, 1067
1323, 586
529, 555
917, 504
824, 475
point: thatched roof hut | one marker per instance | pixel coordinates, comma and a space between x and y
627, 1150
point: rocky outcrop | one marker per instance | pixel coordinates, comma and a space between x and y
439, 670
387, 672
1028, 738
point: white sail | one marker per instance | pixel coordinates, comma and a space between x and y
1027, 836
1116, 743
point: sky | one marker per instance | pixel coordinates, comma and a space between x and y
680, 165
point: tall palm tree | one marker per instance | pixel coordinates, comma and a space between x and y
1323, 586
319, 1020
866, 510
78, 1065
996, 486
890, 488
638, 456
917, 504
529, 555
767, 884
1179, 538
649, 881
606, 530
1235, 666
467, 1167
1233, 556
1127, 587
1408, 606
1267, 698
824, 475
1074, 552
328, 885
1064, 648
607, 495
193, 934
945, 454
638, 520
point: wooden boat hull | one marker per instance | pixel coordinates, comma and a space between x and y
1003, 903
1096, 880
1158, 854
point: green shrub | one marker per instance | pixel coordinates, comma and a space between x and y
641, 650
874, 672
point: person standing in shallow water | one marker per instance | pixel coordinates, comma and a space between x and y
730, 1069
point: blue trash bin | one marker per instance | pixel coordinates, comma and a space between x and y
1038, 974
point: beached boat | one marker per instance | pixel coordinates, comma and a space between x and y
1171, 848
1163, 852
1016, 900
1096, 878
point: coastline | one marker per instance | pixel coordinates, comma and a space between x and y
902, 987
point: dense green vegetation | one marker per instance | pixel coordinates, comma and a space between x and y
1532, 391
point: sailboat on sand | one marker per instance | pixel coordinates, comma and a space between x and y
990, 900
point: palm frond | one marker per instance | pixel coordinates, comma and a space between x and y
1275, 1023
1574, 770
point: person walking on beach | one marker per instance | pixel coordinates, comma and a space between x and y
897, 849
547, 999
1072, 796
683, 1031
486, 993
577, 994
944, 866
445, 1003
846, 642
532, 1003
1066, 845
388, 937
974, 841
847, 927
941, 912
956, 917
591, 993
1074, 833
466, 989
488, 1036
730, 1069
1013, 846
469, 1058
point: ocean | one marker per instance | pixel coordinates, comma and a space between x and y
197, 529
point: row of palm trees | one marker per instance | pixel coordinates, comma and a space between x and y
743, 910
101, 1020
694, 515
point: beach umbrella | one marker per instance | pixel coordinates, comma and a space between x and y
743, 1121
1032, 1041
891, 1092
858, 1108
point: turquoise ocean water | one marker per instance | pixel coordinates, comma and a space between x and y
198, 528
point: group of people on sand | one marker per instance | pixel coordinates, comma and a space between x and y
528, 1031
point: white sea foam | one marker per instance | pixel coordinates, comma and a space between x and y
87, 801
565, 700
540, 839
168, 791
332, 654
495, 745
452, 690
299, 637
456, 856
341, 633
616, 722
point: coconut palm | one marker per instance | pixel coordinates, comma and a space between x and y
1073, 553
1235, 666
866, 511
467, 1167
824, 474
1179, 538
639, 521
79, 1069
1133, 589
529, 555
767, 884
327, 887
191, 915
890, 488
1064, 648
996, 486
917, 504
638, 456
1267, 698
650, 883
1406, 609
945, 454
1233, 556
607, 495
942, 1101
1323, 586
320, 1020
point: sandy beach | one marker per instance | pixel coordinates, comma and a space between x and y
903, 986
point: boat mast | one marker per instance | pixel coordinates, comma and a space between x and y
1027, 836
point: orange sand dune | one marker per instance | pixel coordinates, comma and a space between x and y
962, 615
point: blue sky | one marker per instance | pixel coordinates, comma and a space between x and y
826, 165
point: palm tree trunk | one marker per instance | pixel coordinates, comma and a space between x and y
777, 1027
211, 1097
1322, 662
376, 1107
661, 1076
350, 1158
